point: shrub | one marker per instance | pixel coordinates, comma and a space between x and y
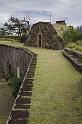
15, 83
10, 38
72, 35
75, 46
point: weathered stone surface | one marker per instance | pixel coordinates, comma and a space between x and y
11, 58
71, 56
21, 100
43, 35
18, 122
26, 89
23, 114
75, 53
28, 81
25, 93
21, 106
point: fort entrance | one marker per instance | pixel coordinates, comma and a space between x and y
39, 42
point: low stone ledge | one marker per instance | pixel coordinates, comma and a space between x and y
18, 121
74, 52
74, 62
19, 114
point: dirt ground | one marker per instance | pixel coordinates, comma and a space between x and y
6, 100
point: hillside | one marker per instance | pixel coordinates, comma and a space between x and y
60, 28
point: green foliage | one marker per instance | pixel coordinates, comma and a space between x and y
75, 46
10, 38
15, 83
71, 45
2, 32
17, 26
72, 35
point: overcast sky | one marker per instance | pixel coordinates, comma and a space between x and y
39, 10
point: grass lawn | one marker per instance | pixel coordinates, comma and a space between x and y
60, 28
57, 96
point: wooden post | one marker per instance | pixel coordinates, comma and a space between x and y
18, 72
50, 17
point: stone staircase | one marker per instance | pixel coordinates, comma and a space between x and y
20, 110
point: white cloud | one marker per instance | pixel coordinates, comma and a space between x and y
40, 9
4, 17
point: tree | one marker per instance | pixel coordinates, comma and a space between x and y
72, 35
15, 25
2, 32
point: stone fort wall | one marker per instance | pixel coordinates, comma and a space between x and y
12, 58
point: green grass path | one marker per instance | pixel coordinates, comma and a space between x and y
56, 98
57, 94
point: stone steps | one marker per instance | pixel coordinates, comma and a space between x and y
20, 111
20, 121
22, 106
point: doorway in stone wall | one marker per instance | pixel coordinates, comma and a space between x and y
39, 40
9, 69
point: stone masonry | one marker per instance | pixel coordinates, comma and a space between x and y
43, 35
